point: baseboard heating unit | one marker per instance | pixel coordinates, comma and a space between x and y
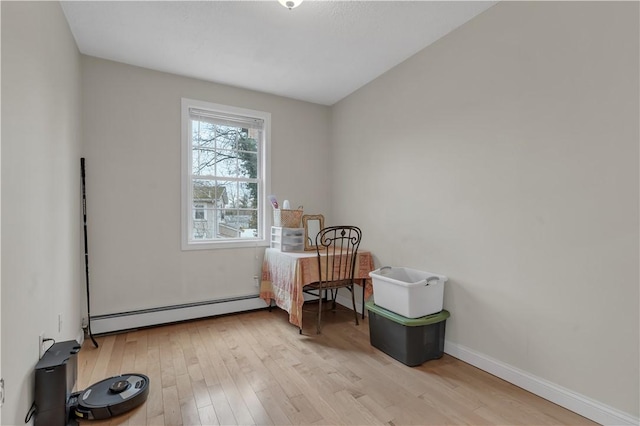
174, 313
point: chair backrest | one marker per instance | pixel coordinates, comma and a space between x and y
337, 247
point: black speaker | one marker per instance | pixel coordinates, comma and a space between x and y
56, 375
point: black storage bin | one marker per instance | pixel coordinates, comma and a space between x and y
412, 341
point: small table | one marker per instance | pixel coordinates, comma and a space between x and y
284, 274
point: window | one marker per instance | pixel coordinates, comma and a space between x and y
224, 175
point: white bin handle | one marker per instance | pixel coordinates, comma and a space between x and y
383, 268
428, 280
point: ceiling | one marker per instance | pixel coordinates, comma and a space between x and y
318, 52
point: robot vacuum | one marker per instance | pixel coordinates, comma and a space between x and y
56, 403
110, 397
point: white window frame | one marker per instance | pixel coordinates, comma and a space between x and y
264, 219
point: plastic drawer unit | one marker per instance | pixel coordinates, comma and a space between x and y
287, 239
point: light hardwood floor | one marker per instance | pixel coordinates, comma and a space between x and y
254, 368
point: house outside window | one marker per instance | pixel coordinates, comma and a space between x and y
225, 176
199, 212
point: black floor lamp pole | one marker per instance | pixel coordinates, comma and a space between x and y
86, 251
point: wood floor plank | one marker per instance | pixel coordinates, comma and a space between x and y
129, 357
208, 416
183, 385
117, 353
203, 353
86, 364
459, 409
167, 368
290, 384
224, 363
277, 406
138, 416
142, 349
177, 352
376, 409
255, 407
172, 412
122, 420
200, 393
305, 410
250, 358
356, 411
238, 406
156, 421
190, 414
221, 405
99, 371
154, 403
318, 403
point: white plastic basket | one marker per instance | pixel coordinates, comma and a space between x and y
408, 292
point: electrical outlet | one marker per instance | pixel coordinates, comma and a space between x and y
41, 345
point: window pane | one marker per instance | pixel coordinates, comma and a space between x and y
248, 165
249, 141
203, 229
248, 195
227, 137
203, 134
251, 221
242, 222
208, 194
203, 161
227, 163
224, 209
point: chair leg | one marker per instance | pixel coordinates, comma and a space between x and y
320, 309
364, 285
334, 295
353, 301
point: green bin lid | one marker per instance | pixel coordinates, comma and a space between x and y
409, 322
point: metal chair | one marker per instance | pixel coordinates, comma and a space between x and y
337, 248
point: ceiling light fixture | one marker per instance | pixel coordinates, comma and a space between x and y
290, 4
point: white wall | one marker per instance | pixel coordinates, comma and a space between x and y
41, 259
131, 128
506, 157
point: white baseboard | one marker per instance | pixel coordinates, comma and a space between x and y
580, 404
163, 315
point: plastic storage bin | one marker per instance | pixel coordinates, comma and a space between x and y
412, 341
408, 292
